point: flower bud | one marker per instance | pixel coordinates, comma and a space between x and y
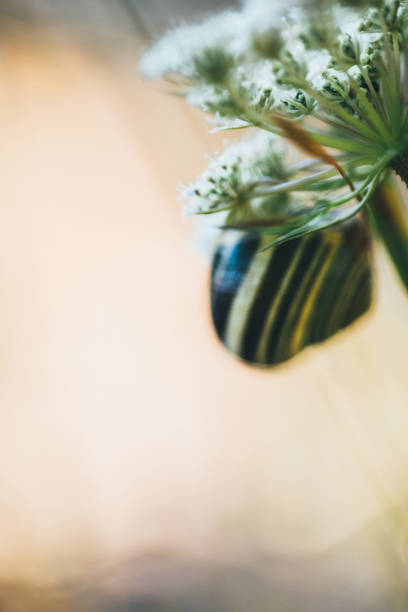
336, 86
349, 48
267, 43
213, 65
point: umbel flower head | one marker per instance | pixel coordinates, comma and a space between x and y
330, 79
339, 75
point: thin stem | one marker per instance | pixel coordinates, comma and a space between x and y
310, 163
404, 86
390, 220
390, 76
359, 123
374, 117
305, 183
354, 194
344, 144
317, 224
297, 184
338, 125
377, 100
400, 165
305, 165
395, 43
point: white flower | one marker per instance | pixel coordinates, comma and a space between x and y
223, 187
176, 51
273, 65
229, 175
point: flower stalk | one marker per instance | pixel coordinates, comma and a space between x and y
400, 165
390, 220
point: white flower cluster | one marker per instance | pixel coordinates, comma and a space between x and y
229, 180
273, 65
226, 186
177, 51
243, 64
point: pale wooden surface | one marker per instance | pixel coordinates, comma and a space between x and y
125, 428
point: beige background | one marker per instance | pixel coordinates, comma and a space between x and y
124, 427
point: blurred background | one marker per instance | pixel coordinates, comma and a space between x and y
142, 468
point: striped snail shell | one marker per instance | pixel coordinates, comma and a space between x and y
267, 306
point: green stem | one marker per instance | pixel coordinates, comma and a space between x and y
400, 165
390, 219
